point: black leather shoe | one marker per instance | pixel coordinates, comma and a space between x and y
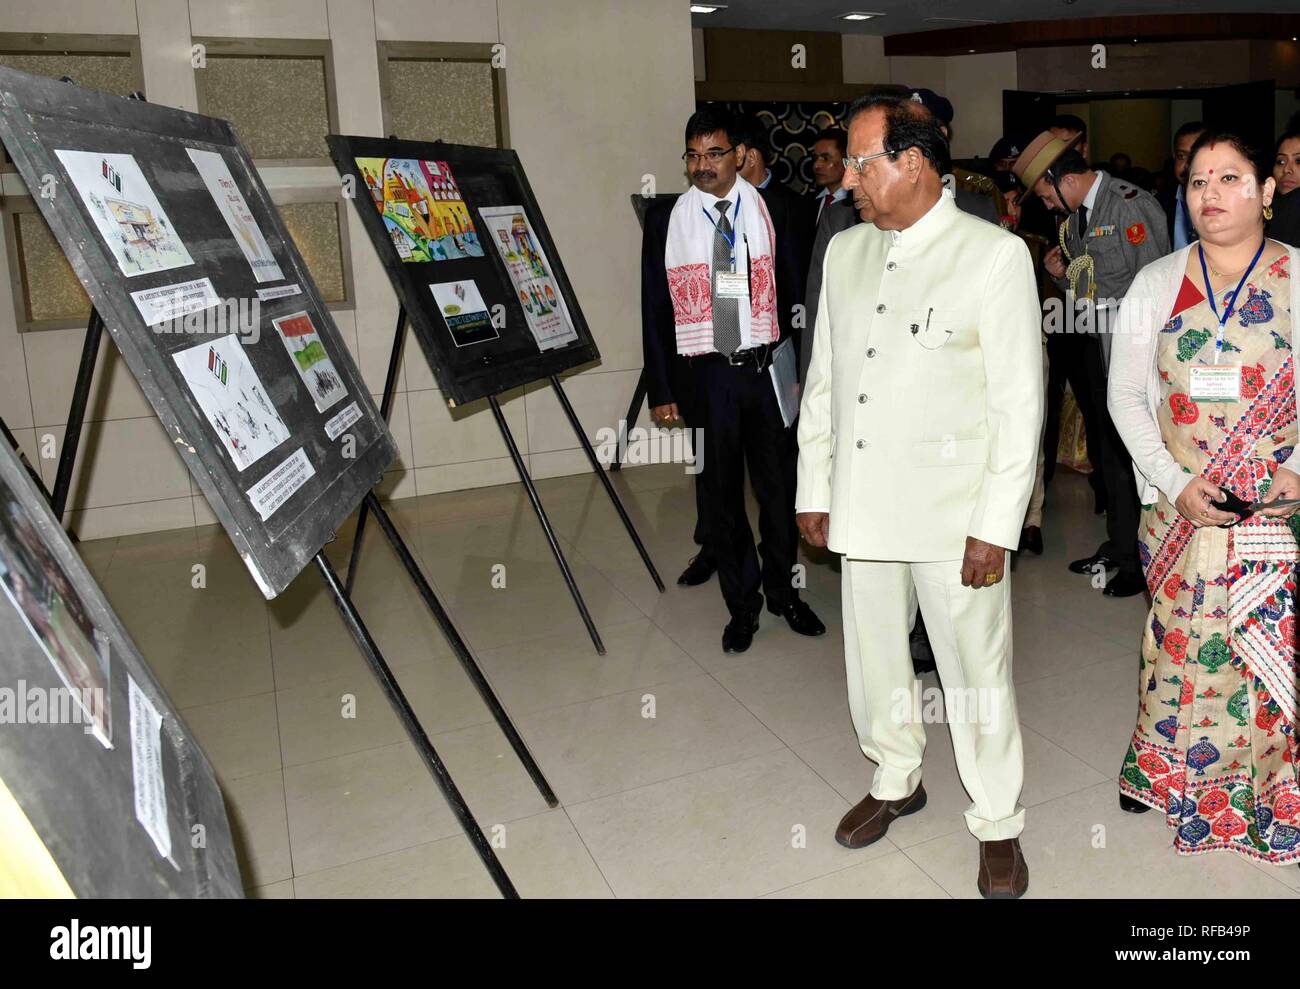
918, 643
739, 633
800, 618
1031, 540
697, 572
1125, 585
1127, 803
1089, 564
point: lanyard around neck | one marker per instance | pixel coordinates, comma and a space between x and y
1231, 304
730, 238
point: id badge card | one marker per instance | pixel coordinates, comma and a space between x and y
732, 284
1217, 383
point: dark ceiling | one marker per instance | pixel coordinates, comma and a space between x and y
904, 16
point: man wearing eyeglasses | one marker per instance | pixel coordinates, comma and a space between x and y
918, 438
718, 287
828, 167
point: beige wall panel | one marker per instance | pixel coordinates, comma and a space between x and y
436, 20
259, 18
125, 520
69, 16
571, 80
975, 84
437, 438
52, 360
121, 462
168, 67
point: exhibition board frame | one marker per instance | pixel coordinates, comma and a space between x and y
94, 269
36, 115
126, 804
479, 187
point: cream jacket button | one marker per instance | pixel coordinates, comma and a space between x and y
891, 265
871, 351
880, 308
861, 444
862, 399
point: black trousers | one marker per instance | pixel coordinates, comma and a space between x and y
737, 409
683, 385
1068, 362
1123, 508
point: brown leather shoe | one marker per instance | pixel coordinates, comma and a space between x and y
1003, 872
870, 819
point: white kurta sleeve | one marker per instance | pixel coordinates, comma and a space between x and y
816, 417
1011, 342
1129, 382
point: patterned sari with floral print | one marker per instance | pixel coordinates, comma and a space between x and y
1215, 744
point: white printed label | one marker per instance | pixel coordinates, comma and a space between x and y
168, 302
732, 284
1216, 384
279, 292
146, 769
272, 491
334, 428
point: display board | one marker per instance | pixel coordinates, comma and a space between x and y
175, 239
92, 751
466, 247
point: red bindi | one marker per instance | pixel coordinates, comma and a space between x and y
1211, 171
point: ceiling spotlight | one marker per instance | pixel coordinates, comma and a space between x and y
707, 8
858, 15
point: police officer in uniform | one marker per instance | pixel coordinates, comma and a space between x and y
1110, 231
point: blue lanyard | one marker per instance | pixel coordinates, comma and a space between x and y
730, 239
1232, 302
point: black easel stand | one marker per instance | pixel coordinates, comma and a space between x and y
385, 410
76, 414
412, 725
67, 460
609, 488
459, 647
533, 497
633, 412
22, 458
386, 402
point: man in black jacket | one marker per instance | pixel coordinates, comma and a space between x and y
707, 363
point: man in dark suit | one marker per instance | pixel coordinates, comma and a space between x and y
802, 212
707, 363
1174, 197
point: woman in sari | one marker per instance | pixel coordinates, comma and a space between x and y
1202, 389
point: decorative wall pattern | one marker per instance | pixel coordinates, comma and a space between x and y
111, 73
314, 227
792, 130
50, 289
278, 104
463, 112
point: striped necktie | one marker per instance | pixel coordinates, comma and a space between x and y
726, 312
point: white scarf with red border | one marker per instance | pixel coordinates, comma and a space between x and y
688, 257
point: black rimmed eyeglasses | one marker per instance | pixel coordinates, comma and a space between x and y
713, 157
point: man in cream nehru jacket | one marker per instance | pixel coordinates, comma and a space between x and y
918, 438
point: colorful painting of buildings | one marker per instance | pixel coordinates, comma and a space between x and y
422, 208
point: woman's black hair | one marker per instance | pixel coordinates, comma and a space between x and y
1262, 167
1290, 134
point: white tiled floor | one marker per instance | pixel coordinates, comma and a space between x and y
732, 788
